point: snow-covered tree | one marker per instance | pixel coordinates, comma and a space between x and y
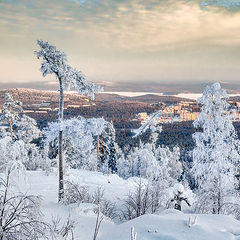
11, 111
26, 129
79, 144
216, 155
142, 163
171, 167
11, 152
109, 148
102, 153
23, 130
55, 62
21, 127
168, 167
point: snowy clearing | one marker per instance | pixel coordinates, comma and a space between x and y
168, 225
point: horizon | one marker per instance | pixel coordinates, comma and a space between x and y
187, 95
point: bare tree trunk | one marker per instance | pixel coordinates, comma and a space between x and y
10, 123
60, 143
98, 154
219, 202
3, 206
98, 223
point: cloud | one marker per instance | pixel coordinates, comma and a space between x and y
133, 24
133, 40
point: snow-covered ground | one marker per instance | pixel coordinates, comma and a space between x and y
168, 225
173, 225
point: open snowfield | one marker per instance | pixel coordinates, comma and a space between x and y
168, 225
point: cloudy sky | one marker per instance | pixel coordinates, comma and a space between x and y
123, 43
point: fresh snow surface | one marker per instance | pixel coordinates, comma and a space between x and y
173, 225
168, 225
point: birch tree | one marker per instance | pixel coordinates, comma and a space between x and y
55, 62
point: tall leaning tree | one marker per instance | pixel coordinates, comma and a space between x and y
55, 62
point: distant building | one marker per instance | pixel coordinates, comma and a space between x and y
189, 116
45, 109
28, 111
73, 106
141, 116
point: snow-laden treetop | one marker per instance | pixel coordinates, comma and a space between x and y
216, 154
55, 61
215, 108
11, 110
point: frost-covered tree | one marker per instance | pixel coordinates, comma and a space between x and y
168, 168
23, 130
11, 111
102, 153
142, 163
79, 145
171, 167
109, 148
26, 129
12, 152
21, 127
216, 155
55, 62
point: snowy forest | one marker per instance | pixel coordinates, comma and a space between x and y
71, 180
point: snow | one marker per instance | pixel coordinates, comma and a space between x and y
173, 225
195, 96
168, 225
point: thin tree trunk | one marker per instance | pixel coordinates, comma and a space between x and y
3, 205
60, 143
219, 202
10, 123
98, 154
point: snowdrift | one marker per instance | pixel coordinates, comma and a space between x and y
173, 225
168, 225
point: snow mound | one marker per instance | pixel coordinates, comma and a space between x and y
171, 211
174, 226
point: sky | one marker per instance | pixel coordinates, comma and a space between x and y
123, 44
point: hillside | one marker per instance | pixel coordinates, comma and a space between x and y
30, 96
43, 105
167, 225
147, 98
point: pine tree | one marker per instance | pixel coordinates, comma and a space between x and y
55, 62
112, 148
216, 154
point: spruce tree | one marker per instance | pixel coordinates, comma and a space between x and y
216, 155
